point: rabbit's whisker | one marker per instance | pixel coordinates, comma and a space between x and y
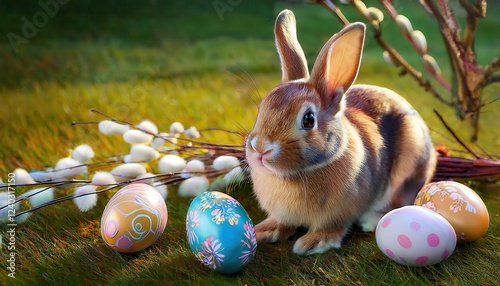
250, 89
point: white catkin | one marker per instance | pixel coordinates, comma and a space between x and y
159, 141
171, 164
83, 153
193, 166
162, 189
162, 138
193, 186
127, 171
225, 163
21, 177
41, 176
143, 153
4, 201
418, 38
43, 195
404, 24
374, 14
109, 127
87, 202
137, 137
102, 178
176, 129
192, 133
129, 159
147, 125
68, 168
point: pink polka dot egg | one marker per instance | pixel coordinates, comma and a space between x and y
415, 236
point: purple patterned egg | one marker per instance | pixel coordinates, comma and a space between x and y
134, 218
220, 232
415, 236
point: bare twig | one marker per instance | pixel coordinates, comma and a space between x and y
471, 26
492, 67
456, 136
478, 9
491, 79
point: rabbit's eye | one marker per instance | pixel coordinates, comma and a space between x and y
308, 121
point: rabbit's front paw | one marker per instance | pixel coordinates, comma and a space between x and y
270, 230
319, 242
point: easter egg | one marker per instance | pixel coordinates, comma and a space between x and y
134, 218
460, 205
415, 236
220, 233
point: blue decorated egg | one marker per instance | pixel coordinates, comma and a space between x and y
220, 232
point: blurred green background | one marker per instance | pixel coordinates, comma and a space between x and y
202, 63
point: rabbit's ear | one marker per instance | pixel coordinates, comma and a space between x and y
293, 60
337, 64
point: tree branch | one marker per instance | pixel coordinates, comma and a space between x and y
491, 79
455, 50
492, 67
389, 7
470, 31
478, 9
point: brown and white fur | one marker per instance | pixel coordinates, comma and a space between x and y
324, 154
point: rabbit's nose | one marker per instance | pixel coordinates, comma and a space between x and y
261, 146
253, 144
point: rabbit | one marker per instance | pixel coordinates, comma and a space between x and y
324, 155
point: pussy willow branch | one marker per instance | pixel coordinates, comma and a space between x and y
407, 68
204, 144
164, 179
451, 41
390, 9
330, 6
65, 198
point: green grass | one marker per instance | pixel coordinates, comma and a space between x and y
133, 71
